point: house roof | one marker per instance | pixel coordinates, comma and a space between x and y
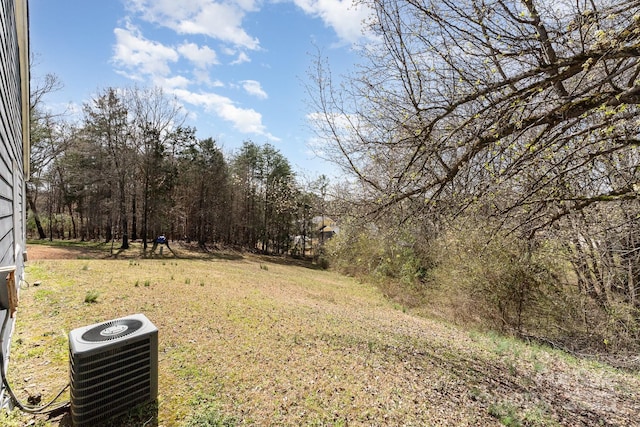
323, 221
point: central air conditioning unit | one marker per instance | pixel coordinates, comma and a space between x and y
113, 368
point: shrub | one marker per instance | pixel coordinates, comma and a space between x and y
470, 275
500, 282
91, 297
387, 256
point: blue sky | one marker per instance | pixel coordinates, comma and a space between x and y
238, 67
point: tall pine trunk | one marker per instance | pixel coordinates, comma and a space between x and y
34, 210
123, 215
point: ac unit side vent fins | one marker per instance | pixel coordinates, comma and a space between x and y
110, 350
81, 372
93, 391
113, 368
104, 402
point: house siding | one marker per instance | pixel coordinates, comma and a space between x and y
13, 150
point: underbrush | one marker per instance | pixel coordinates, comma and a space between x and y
391, 261
485, 281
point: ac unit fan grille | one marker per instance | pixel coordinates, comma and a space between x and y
112, 330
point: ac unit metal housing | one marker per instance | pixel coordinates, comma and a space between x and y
113, 368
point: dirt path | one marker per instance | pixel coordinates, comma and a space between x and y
44, 252
39, 252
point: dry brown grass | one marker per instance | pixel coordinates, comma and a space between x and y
275, 344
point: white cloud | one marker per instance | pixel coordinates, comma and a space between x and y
152, 10
135, 53
248, 5
170, 83
253, 87
203, 77
245, 120
241, 59
221, 21
342, 15
202, 57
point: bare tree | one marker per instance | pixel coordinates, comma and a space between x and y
106, 122
158, 134
45, 146
520, 115
506, 104
205, 208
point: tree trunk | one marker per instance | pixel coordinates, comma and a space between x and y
123, 215
50, 218
201, 213
32, 205
74, 229
83, 226
145, 212
134, 218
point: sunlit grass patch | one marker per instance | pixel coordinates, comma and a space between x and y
288, 345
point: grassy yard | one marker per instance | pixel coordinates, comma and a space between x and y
247, 340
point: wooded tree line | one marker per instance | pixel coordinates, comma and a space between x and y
131, 169
493, 146
516, 120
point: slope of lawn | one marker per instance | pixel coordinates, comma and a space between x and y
247, 340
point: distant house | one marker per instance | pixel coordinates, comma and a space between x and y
325, 228
14, 161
